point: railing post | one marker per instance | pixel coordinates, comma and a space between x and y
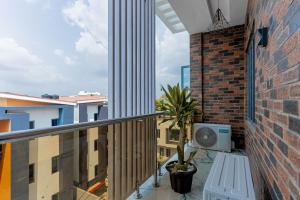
159, 169
138, 194
156, 184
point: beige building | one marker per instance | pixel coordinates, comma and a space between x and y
90, 157
33, 169
167, 140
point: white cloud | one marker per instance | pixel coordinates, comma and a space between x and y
86, 43
172, 52
13, 56
18, 64
91, 16
31, 1
67, 60
58, 52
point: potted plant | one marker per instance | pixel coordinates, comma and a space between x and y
179, 107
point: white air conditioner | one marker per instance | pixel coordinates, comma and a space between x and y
212, 136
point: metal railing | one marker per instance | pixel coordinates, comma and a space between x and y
103, 158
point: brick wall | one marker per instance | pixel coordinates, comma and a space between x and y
218, 78
273, 142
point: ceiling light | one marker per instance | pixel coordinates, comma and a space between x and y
219, 21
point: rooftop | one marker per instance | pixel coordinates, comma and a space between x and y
15, 96
90, 98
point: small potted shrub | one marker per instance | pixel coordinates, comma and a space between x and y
178, 108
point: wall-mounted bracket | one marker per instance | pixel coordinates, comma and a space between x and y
263, 32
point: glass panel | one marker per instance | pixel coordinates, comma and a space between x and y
80, 164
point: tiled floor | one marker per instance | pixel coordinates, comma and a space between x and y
165, 192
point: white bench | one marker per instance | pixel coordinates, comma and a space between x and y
229, 179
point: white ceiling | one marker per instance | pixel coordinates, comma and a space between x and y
196, 15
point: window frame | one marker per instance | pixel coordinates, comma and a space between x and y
55, 122
55, 196
251, 79
161, 151
1, 151
54, 168
168, 152
96, 172
31, 171
170, 132
32, 124
158, 133
95, 116
96, 145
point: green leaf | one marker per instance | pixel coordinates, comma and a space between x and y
179, 108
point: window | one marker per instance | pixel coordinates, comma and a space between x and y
31, 125
55, 163
55, 196
1, 151
95, 145
251, 80
95, 116
161, 151
96, 170
168, 152
31, 173
54, 122
158, 133
185, 77
173, 134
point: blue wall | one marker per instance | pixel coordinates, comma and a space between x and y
20, 121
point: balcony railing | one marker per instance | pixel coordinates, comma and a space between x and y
94, 160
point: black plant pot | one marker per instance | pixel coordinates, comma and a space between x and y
181, 182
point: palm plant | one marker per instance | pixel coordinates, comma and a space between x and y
160, 103
179, 107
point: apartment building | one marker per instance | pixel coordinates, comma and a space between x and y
167, 140
90, 155
42, 157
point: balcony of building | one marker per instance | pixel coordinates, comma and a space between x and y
245, 74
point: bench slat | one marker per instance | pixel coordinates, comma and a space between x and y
229, 178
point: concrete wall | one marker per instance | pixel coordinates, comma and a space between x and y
91, 110
85, 157
38, 151
16, 158
92, 159
41, 151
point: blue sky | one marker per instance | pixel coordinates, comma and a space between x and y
60, 47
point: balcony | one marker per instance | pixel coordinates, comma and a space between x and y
79, 161
203, 160
245, 75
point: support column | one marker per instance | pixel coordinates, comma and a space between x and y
131, 93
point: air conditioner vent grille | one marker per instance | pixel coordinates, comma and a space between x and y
206, 137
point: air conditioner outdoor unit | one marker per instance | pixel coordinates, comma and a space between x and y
212, 136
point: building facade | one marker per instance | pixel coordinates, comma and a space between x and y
90, 154
272, 132
41, 157
167, 140
246, 74
255, 88
45, 159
